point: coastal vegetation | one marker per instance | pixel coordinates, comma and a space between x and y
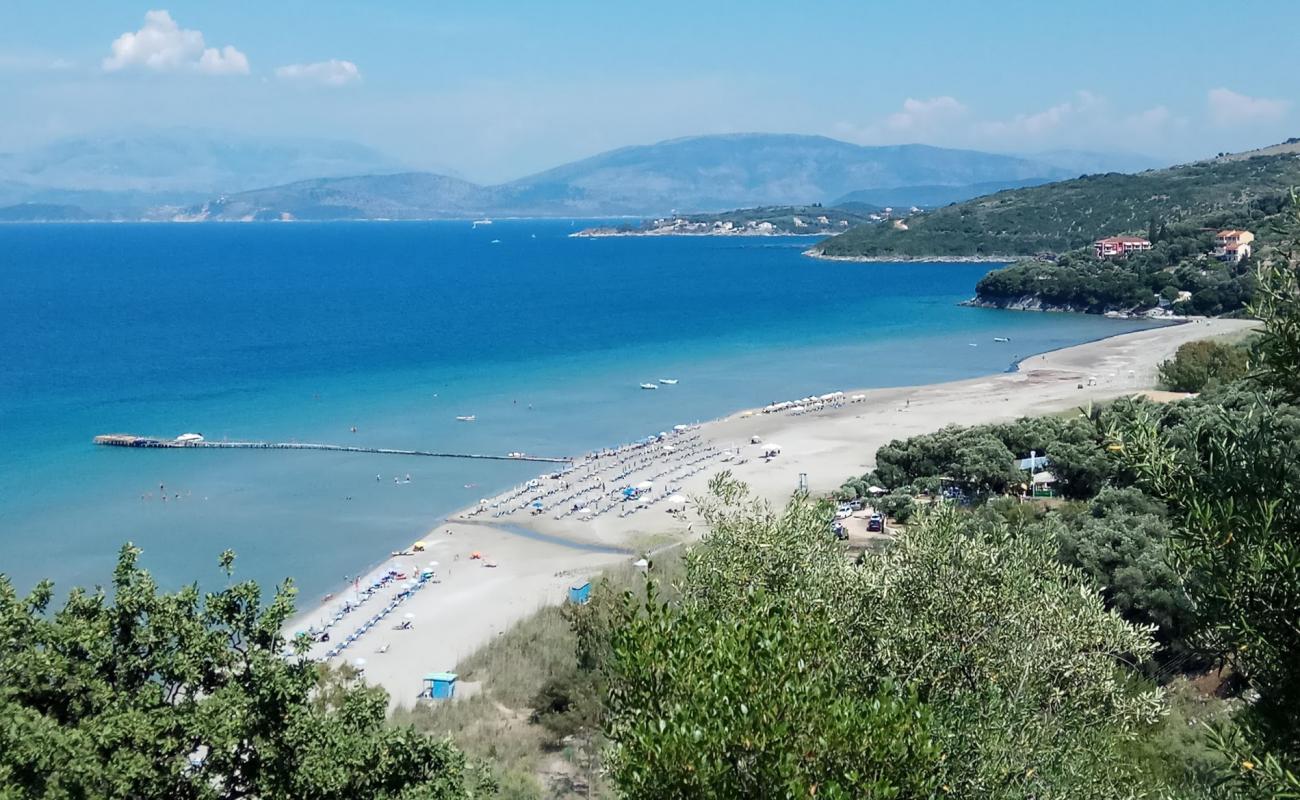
145, 693
1048, 231
1067, 215
1205, 364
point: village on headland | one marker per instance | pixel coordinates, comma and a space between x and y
807, 220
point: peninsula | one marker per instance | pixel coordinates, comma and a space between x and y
807, 220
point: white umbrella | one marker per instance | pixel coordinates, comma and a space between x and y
584, 511
875, 490
677, 498
641, 563
645, 485
433, 564
408, 615
359, 663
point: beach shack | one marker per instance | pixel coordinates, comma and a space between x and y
440, 685
580, 594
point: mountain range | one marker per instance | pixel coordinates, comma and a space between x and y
200, 176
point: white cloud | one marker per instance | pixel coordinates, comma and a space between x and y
334, 72
1232, 108
921, 115
1033, 127
162, 45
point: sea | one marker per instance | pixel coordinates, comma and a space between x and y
303, 332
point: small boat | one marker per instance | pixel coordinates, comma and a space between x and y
972, 344
1001, 339
668, 381
496, 241
648, 386
467, 418
483, 221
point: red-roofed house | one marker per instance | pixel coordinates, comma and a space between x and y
1119, 246
1232, 244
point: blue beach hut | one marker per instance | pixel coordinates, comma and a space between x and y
579, 595
440, 685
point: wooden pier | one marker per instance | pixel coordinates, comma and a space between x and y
131, 440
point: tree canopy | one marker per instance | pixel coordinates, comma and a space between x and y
144, 693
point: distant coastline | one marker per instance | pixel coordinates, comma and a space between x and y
817, 252
607, 233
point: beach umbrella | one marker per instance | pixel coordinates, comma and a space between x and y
419, 546
677, 498
641, 563
537, 504
433, 564
408, 615
359, 663
875, 490
584, 511
645, 485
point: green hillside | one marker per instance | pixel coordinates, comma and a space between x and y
1062, 216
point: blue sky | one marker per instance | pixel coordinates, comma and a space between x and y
496, 90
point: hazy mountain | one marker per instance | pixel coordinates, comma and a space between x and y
43, 212
710, 173
412, 195
699, 174
182, 162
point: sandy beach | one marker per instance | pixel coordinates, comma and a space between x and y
518, 551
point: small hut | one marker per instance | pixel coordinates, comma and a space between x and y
440, 685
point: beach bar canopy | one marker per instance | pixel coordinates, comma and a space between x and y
440, 685
580, 594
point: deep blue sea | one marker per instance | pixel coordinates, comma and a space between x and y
302, 331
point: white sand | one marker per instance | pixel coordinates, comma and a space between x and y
473, 603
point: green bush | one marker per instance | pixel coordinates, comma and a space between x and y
1197, 365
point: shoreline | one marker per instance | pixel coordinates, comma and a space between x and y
813, 252
532, 544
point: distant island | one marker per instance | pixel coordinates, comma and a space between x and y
808, 220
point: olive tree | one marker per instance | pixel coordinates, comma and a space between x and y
144, 693
973, 661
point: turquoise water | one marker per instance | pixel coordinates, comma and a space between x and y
303, 331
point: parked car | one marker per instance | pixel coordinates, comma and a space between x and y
876, 524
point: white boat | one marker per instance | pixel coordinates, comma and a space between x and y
648, 386
668, 381
972, 344
483, 221
1001, 339
467, 418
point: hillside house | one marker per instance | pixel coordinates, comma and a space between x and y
1119, 246
1232, 245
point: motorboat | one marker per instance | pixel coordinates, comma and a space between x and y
649, 386
1001, 338
668, 381
484, 221
467, 418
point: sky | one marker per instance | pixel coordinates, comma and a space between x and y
496, 90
